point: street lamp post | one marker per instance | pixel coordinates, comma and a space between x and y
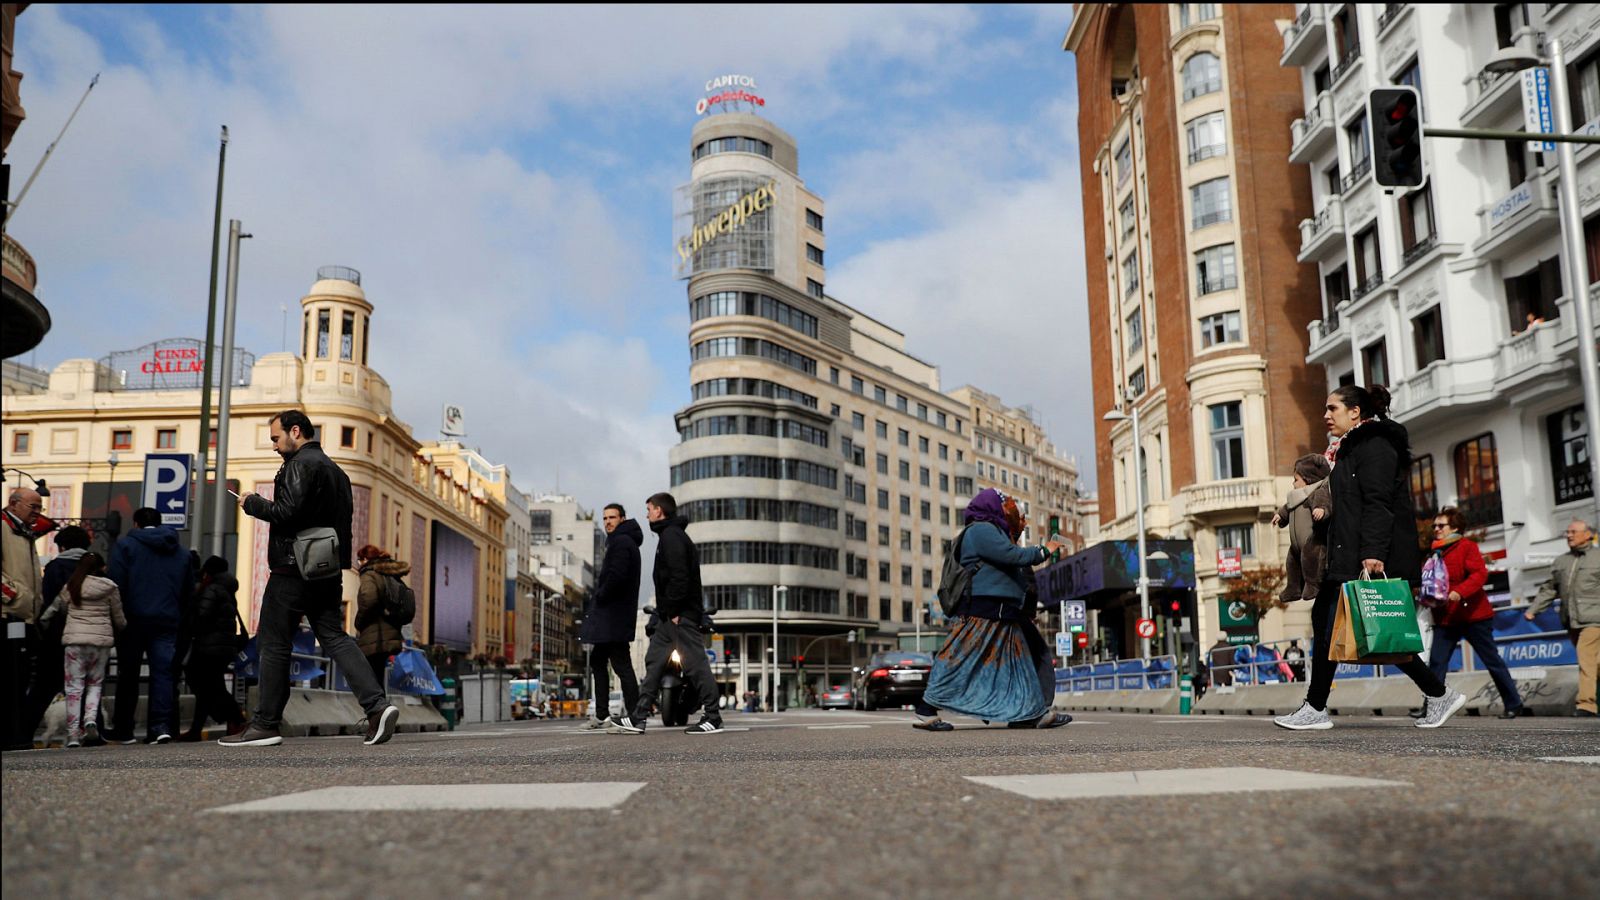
778, 593
1117, 415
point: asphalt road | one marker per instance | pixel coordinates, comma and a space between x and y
826, 804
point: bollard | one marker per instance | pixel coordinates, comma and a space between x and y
1185, 694
447, 703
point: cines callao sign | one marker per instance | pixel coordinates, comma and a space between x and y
729, 219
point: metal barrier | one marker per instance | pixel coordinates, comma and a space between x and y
1154, 673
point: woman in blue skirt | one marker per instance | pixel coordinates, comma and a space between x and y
986, 668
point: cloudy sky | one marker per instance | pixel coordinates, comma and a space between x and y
502, 178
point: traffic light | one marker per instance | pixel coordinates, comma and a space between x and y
1395, 114
1172, 609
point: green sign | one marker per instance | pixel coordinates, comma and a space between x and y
1234, 614
1075, 629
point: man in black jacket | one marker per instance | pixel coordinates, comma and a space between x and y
309, 491
681, 609
613, 614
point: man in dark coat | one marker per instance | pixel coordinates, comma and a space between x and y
156, 579
309, 491
613, 614
681, 609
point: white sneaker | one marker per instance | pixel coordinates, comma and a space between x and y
592, 726
1438, 710
1306, 718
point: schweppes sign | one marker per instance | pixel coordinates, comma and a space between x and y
735, 216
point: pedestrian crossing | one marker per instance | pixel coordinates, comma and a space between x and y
1172, 782
422, 797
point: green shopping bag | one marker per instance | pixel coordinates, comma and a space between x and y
1384, 616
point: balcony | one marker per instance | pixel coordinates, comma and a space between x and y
1313, 133
1391, 14
1522, 218
1346, 64
25, 319
1495, 98
1305, 37
1323, 234
1366, 287
1444, 387
1329, 340
1532, 357
1357, 176
1225, 497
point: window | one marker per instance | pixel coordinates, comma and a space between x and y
1519, 163
905, 540
1346, 41
366, 329
1135, 384
1130, 274
944, 451
741, 466
880, 395
905, 505
927, 545
858, 421
944, 514
927, 578
905, 470
1190, 13
857, 385
1583, 80
1322, 79
1135, 331
833, 376
963, 485
883, 463
1335, 288
122, 439
1375, 363
944, 482
1569, 455
1125, 214
347, 336
1356, 137
1227, 440
21, 442
883, 535
901, 403
883, 606
324, 317
924, 477
814, 288
733, 145
1211, 202
1330, 177
1416, 220
1369, 265
1222, 328
883, 499
1208, 137
1124, 161
1202, 75
1532, 295
1478, 481
1508, 19
881, 428
746, 303
905, 579
1427, 335
1237, 537
943, 421
922, 444
1410, 76
905, 609
1424, 495
755, 387
814, 253
813, 219
926, 511
1591, 245
167, 439
1215, 269
905, 438
922, 411
737, 346
883, 575
347, 437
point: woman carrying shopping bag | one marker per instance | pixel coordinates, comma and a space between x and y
1371, 534
1465, 613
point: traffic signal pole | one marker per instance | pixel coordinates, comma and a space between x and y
1493, 134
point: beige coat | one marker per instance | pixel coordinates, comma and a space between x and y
1575, 578
96, 620
23, 576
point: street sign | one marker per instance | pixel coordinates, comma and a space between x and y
1076, 613
1536, 113
718, 650
1063, 643
1230, 562
1083, 639
1146, 628
166, 486
711, 657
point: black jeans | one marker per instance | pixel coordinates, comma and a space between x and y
616, 656
380, 665
158, 643
49, 673
1322, 668
691, 647
286, 600
206, 677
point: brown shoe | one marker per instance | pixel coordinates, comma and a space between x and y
380, 725
253, 736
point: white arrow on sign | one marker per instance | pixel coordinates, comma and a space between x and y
173, 503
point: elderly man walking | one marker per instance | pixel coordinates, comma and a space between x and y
21, 588
311, 496
1575, 578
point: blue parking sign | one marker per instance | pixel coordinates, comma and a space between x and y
166, 486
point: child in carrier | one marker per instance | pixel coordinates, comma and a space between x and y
1306, 514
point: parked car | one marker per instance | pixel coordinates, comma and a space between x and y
896, 678
837, 697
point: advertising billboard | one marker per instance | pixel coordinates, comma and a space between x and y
455, 588
724, 221
1113, 566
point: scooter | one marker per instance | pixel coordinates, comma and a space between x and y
678, 698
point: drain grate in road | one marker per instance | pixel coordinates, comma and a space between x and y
1162, 782
376, 798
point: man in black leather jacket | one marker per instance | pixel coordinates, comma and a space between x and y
309, 491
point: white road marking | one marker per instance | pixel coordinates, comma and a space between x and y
376, 798
1588, 760
1161, 782
834, 727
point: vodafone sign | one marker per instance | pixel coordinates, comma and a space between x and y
729, 89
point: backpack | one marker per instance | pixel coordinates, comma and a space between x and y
1435, 582
399, 602
955, 581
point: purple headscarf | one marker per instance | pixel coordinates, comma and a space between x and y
987, 507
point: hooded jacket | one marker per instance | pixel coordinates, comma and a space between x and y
613, 612
19, 560
1295, 514
152, 570
216, 619
676, 572
1372, 514
97, 618
375, 634
1006, 567
309, 491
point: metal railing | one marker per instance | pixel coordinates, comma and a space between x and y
1353, 180
1367, 287
1420, 249
1155, 673
1391, 11
1345, 64
339, 273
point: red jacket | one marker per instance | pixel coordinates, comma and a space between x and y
1464, 562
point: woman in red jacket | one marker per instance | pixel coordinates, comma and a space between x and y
1466, 613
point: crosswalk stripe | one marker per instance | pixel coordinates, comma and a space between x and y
1589, 760
388, 797
834, 727
1162, 782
